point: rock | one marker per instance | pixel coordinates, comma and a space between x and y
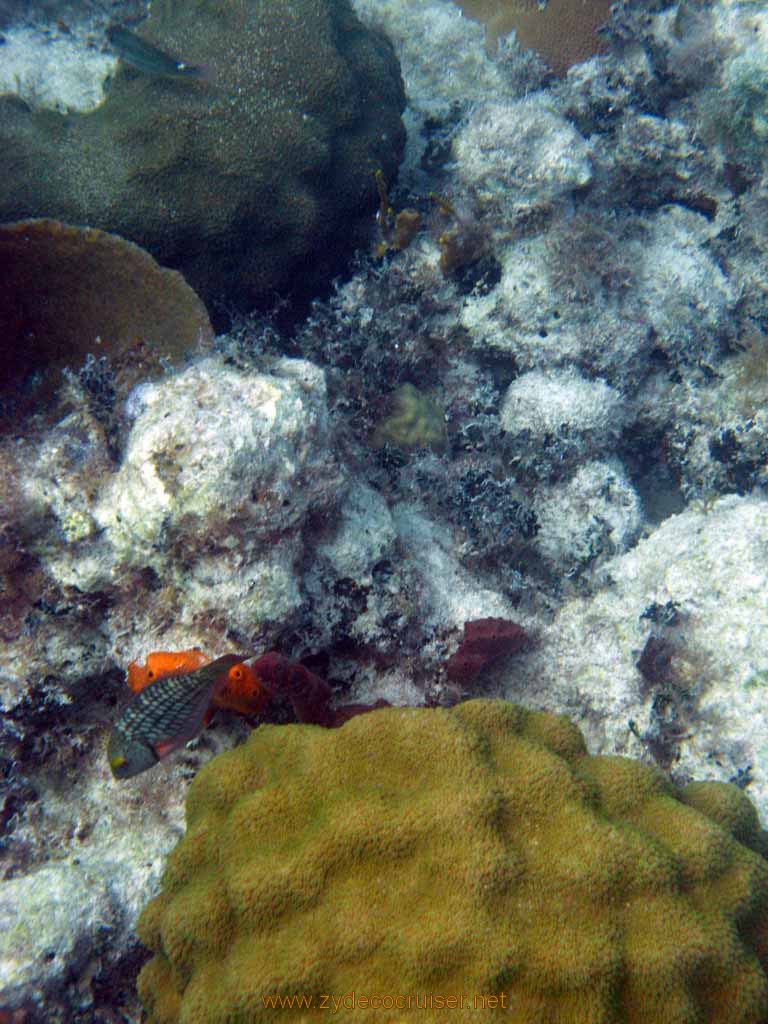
525, 149
698, 583
559, 414
587, 519
202, 519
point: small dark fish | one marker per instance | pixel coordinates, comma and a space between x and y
164, 716
148, 58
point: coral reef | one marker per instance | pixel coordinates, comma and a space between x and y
560, 417
591, 516
307, 692
585, 302
708, 567
72, 294
257, 182
497, 150
208, 500
441, 54
80, 586
572, 888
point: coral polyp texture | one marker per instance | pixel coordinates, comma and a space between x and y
472, 852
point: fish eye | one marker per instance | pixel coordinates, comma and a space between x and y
150, 674
236, 673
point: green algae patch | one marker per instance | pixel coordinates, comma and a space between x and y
255, 182
479, 852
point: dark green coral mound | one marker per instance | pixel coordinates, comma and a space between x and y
475, 852
259, 181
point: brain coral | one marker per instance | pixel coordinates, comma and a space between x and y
257, 181
472, 852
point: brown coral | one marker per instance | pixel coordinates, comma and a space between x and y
256, 183
563, 33
70, 292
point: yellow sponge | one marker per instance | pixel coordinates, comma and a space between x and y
473, 863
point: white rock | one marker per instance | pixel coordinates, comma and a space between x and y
364, 534
683, 290
57, 72
548, 404
528, 316
586, 519
442, 53
524, 149
211, 447
713, 566
451, 595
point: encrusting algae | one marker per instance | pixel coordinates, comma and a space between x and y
477, 853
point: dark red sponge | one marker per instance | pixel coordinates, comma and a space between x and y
484, 641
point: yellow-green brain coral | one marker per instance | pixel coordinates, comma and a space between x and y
472, 852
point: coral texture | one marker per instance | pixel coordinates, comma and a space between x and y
79, 292
243, 183
473, 852
219, 473
603, 375
416, 421
525, 146
563, 33
563, 413
592, 516
708, 721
